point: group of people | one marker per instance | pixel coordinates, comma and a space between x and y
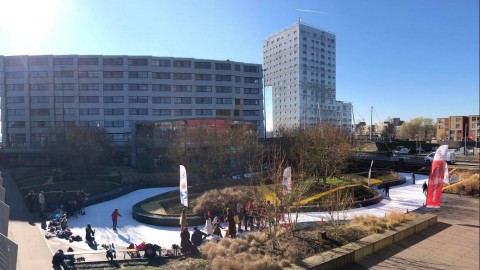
40, 198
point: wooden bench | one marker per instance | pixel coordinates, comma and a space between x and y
85, 252
127, 251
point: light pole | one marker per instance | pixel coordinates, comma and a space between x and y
264, 108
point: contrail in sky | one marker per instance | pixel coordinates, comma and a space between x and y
311, 11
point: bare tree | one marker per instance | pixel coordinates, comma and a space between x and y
338, 203
418, 128
83, 148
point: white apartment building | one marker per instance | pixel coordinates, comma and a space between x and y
299, 65
41, 96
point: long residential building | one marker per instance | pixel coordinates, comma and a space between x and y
458, 128
299, 65
41, 96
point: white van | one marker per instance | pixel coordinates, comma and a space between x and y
451, 157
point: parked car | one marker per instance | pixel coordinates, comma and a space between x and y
451, 157
402, 151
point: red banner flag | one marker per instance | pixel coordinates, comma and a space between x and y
437, 174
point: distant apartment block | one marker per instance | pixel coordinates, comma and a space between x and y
41, 96
458, 128
300, 67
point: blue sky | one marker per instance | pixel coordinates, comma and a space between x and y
406, 58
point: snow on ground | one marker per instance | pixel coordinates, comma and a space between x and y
403, 197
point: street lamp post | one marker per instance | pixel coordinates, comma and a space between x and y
264, 108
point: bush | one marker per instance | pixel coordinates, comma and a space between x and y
216, 200
470, 180
379, 224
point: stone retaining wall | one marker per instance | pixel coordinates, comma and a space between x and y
343, 256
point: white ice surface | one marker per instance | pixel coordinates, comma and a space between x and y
403, 197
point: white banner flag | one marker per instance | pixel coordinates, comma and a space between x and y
183, 186
370, 172
446, 176
287, 180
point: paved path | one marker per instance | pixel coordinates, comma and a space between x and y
33, 251
452, 243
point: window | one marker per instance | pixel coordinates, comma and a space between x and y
236, 113
88, 99
224, 101
113, 124
113, 74
38, 61
113, 61
14, 87
163, 112
251, 80
202, 88
58, 61
161, 75
116, 137
138, 99
138, 74
138, 62
67, 99
182, 63
16, 100
251, 91
251, 102
112, 99
203, 100
40, 112
67, 111
161, 63
222, 112
113, 111
88, 74
237, 67
203, 65
254, 69
182, 100
89, 111
88, 61
182, 88
251, 113
16, 124
63, 74
182, 76
137, 111
238, 79
223, 78
16, 112
63, 87
89, 86
238, 90
182, 112
457, 125
223, 89
39, 99
137, 87
203, 77
237, 101
203, 112
161, 87
38, 74
40, 124
223, 66
162, 100
15, 75
40, 87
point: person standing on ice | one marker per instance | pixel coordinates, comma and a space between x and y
413, 178
115, 216
208, 225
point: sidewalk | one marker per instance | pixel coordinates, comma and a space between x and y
33, 251
452, 243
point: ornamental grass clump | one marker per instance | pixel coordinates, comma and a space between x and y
380, 224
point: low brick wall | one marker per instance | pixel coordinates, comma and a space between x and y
343, 256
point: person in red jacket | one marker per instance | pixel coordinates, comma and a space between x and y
115, 216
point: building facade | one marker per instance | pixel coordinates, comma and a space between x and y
458, 128
299, 65
41, 96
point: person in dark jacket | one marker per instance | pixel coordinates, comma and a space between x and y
58, 261
413, 178
90, 234
30, 200
232, 228
198, 236
187, 246
425, 187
